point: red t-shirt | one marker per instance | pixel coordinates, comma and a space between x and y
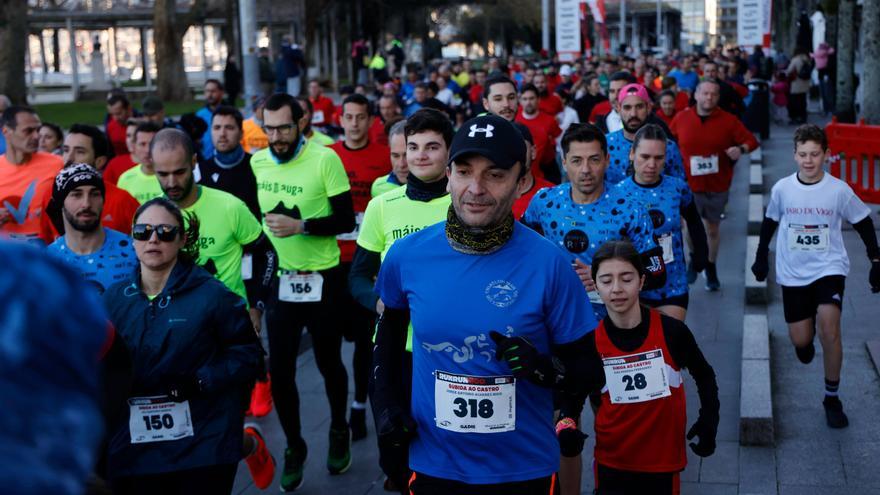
118, 213
550, 104
118, 165
682, 100
476, 93
363, 167
544, 130
601, 108
662, 116
522, 203
116, 135
642, 436
22, 192
709, 138
323, 111
376, 134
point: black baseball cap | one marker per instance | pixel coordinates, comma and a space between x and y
492, 137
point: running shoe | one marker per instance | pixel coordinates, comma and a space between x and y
294, 461
712, 282
260, 462
834, 412
261, 399
358, 422
339, 453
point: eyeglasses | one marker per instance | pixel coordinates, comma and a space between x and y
144, 232
281, 129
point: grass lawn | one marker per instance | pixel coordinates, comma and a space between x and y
93, 112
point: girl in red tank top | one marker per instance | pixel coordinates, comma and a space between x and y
640, 422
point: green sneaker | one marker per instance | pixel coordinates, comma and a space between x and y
294, 460
339, 453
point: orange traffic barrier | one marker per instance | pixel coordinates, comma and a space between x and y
855, 157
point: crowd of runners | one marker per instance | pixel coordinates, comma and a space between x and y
503, 244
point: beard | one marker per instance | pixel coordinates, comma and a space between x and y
83, 225
178, 193
632, 130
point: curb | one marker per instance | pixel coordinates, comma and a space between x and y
756, 395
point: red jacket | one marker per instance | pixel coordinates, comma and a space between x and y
710, 138
323, 111
550, 104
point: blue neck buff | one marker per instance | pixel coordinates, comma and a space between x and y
230, 158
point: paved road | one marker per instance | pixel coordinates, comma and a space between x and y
809, 458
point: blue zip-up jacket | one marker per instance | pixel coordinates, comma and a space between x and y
197, 328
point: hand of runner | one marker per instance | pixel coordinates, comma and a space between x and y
571, 439
761, 267
256, 319
706, 445
380, 307
395, 428
583, 271
183, 388
734, 152
525, 361
874, 276
283, 225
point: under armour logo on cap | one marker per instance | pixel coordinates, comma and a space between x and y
488, 130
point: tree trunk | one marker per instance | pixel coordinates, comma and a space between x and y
169, 27
13, 43
845, 32
56, 52
871, 61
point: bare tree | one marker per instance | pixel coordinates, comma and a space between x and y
871, 61
845, 89
169, 26
13, 43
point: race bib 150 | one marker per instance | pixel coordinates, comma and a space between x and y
157, 419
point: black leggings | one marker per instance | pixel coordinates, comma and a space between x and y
209, 480
610, 481
422, 484
358, 325
285, 322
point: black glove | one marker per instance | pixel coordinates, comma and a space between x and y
761, 267
395, 428
571, 441
182, 388
874, 276
703, 429
525, 362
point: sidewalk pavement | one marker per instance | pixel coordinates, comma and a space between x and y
808, 457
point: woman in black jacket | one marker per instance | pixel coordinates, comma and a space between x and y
194, 354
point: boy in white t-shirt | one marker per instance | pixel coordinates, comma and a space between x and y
811, 260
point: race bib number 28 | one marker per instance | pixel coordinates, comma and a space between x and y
474, 404
637, 377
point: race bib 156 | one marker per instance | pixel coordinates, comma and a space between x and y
300, 287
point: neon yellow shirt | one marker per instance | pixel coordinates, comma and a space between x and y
306, 181
321, 138
225, 225
381, 186
393, 216
140, 185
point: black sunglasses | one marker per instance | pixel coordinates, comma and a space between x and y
144, 231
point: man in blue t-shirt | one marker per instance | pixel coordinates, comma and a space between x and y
635, 107
474, 419
102, 256
686, 78
582, 214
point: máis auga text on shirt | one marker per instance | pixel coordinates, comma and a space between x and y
809, 211
405, 231
275, 187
